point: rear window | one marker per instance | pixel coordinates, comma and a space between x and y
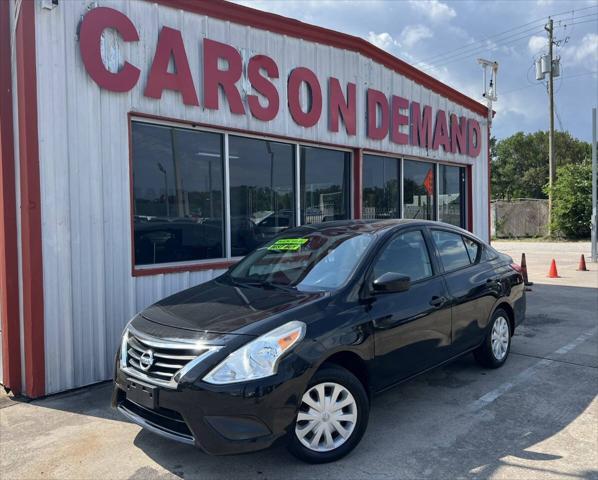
473, 249
452, 250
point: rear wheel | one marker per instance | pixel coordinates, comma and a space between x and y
494, 351
332, 417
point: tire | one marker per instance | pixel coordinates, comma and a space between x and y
339, 383
499, 335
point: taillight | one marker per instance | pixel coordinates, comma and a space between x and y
516, 267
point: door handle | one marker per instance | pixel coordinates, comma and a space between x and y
437, 301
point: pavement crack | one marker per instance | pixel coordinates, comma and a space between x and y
554, 360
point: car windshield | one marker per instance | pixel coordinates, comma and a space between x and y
312, 261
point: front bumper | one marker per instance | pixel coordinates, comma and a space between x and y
221, 419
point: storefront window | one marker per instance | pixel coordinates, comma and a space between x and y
324, 185
419, 185
261, 191
451, 195
380, 187
178, 190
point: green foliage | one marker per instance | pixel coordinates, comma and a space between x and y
520, 162
572, 200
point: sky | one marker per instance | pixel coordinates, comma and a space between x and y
445, 39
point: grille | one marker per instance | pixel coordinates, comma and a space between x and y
160, 361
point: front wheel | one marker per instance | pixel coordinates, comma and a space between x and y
494, 351
332, 417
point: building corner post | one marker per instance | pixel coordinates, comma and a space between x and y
30, 203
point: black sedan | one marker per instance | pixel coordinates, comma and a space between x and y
293, 341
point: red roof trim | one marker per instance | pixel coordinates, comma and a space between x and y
294, 28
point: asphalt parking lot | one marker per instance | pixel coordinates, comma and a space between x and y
537, 417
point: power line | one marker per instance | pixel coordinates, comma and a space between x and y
474, 44
481, 49
538, 84
477, 50
500, 34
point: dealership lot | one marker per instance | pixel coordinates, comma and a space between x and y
535, 417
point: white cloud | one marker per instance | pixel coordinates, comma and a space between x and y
536, 44
382, 40
412, 34
585, 52
433, 9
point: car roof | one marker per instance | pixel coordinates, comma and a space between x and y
372, 226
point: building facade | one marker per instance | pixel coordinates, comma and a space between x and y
147, 145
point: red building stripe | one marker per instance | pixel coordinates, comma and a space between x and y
31, 229
294, 28
9, 268
357, 183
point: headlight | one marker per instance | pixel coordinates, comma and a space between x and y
259, 358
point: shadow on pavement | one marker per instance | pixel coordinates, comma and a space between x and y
425, 428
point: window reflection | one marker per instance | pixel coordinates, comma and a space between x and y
380, 187
178, 190
419, 185
324, 185
451, 198
261, 191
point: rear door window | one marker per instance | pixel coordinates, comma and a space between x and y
452, 250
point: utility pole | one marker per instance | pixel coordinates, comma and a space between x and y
594, 185
551, 165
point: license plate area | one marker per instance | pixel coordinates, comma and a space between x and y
142, 393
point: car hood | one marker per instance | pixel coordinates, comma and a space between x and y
220, 306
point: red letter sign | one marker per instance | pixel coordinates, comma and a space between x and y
213, 77
170, 43
311, 117
474, 132
338, 105
421, 126
263, 86
397, 119
458, 134
377, 99
92, 26
441, 133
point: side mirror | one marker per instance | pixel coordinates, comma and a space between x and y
391, 282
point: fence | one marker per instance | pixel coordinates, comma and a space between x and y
524, 217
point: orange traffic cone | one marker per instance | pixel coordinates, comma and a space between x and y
582, 264
552, 273
526, 282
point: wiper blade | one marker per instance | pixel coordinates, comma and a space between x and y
263, 283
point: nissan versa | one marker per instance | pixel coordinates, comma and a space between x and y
293, 341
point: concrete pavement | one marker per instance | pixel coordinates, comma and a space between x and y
537, 417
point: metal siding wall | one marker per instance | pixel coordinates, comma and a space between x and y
84, 150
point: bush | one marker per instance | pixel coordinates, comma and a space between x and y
572, 200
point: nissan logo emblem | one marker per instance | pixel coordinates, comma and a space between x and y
146, 360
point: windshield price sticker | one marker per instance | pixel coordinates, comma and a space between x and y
287, 244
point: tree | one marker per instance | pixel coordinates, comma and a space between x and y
572, 200
520, 162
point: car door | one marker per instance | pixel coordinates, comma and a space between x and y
412, 329
472, 284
